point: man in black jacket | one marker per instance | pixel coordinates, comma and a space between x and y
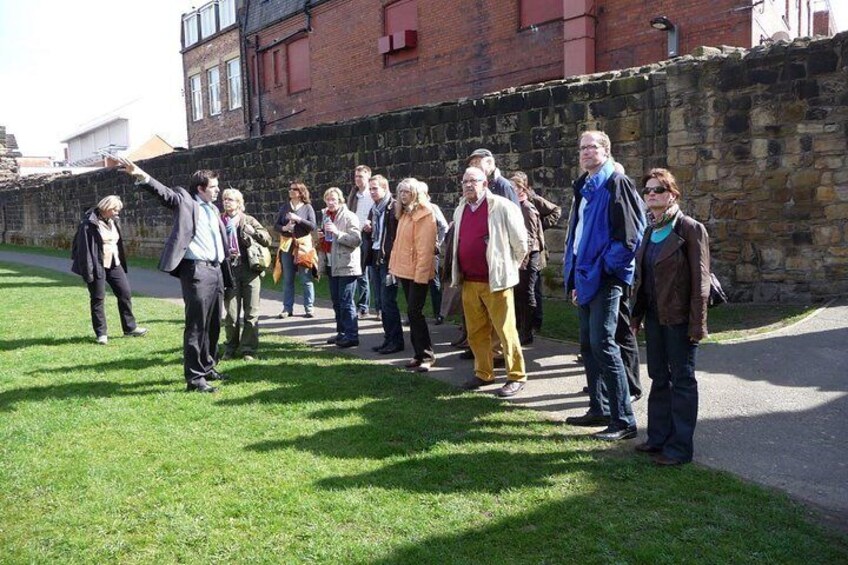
379, 236
194, 252
485, 161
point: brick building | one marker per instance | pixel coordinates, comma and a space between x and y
212, 69
318, 61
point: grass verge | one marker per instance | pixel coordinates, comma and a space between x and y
307, 456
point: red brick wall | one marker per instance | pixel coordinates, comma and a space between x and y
229, 124
455, 59
626, 39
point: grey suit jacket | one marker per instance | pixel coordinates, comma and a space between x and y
185, 209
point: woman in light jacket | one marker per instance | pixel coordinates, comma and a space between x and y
98, 257
671, 290
340, 237
296, 219
247, 283
413, 264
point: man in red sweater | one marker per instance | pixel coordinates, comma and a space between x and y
490, 241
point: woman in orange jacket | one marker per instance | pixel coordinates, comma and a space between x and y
412, 263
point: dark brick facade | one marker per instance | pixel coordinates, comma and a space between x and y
757, 141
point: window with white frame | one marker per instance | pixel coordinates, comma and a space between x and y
196, 97
234, 82
213, 79
190, 29
226, 12
207, 20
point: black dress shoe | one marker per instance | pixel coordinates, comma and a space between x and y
200, 387
647, 448
216, 376
588, 419
616, 434
377, 348
664, 461
389, 349
466, 354
344, 343
332, 340
440, 320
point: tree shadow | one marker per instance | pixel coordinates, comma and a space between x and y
120, 364
80, 389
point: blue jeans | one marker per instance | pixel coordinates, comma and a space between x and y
436, 291
673, 402
609, 394
341, 292
363, 303
392, 329
289, 270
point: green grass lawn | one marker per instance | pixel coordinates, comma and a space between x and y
308, 456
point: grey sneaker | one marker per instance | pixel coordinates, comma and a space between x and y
102, 340
511, 388
137, 332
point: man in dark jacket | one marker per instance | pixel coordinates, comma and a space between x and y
485, 161
379, 236
604, 232
194, 252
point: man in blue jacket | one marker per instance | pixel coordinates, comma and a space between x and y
604, 232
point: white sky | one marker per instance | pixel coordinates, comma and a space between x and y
64, 64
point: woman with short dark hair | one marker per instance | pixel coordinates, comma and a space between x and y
295, 220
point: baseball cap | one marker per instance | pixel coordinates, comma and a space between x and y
479, 153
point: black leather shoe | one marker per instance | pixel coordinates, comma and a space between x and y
200, 387
439, 320
616, 434
377, 348
588, 419
474, 383
664, 461
647, 448
343, 343
332, 340
467, 354
216, 376
389, 349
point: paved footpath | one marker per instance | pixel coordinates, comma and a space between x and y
771, 410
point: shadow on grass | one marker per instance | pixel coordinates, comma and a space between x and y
81, 389
119, 364
13, 344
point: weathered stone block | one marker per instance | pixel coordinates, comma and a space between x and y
746, 273
826, 235
836, 212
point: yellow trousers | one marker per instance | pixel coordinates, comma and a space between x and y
486, 311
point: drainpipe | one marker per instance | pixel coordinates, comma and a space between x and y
257, 52
578, 38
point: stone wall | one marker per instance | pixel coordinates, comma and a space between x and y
758, 140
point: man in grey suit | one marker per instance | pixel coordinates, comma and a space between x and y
194, 252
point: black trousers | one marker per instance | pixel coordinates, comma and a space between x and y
525, 296
419, 333
629, 347
117, 279
203, 294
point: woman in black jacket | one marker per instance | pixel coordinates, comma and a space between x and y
98, 257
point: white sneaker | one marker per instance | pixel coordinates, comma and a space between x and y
102, 340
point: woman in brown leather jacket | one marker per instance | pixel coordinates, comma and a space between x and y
671, 291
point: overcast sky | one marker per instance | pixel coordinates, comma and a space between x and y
64, 64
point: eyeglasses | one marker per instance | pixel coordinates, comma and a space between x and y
655, 189
592, 147
471, 181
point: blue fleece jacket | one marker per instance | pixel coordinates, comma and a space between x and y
613, 224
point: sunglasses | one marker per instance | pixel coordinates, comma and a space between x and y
655, 189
